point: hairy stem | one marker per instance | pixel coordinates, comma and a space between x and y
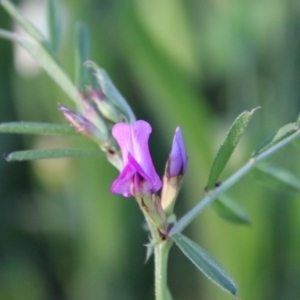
161, 253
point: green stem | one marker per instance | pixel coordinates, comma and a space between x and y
161, 253
194, 212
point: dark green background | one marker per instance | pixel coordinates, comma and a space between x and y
197, 64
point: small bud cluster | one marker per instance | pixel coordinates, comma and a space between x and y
101, 107
105, 117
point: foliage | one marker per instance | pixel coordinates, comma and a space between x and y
160, 78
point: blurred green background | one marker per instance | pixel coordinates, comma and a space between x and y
193, 63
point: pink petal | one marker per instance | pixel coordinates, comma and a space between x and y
133, 140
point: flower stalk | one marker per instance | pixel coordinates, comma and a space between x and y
161, 254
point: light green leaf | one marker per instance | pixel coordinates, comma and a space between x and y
36, 128
54, 24
82, 55
45, 59
40, 50
230, 210
205, 263
277, 177
232, 138
276, 137
20, 19
50, 154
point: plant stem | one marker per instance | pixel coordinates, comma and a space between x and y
161, 253
212, 196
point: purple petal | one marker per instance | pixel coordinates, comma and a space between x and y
132, 180
133, 140
177, 158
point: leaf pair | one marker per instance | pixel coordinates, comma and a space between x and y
195, 253
44, 129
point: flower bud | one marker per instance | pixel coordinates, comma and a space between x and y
106, 108
113, 96
91, 113
174, 172
177, 162
82, 125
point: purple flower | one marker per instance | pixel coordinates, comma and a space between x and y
138, 176
177, 162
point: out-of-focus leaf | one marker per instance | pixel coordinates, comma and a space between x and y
54, 24
39, 50
50, 154
276, 176
205, 263
36, 128
20, 19
231, 210
45, 59
296, 143
232, 138
276, 137
82, 55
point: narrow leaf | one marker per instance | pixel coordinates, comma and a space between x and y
232, 138
205, 263
50, 154
50, 65
230, 210
20, 19
36, 128
277, 177
276, 137
54, 25
82, 55
45, 59
184, 221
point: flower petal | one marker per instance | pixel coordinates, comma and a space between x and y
177, 157
132, 180
133, 140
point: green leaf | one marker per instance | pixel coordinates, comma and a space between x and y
232, 138
296, 143
205, 263
82, 55
24, 22
184, 221
276, 137
40, 50
277, 177
230, 210
50, 154
54, 25
46, 60
36, 128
